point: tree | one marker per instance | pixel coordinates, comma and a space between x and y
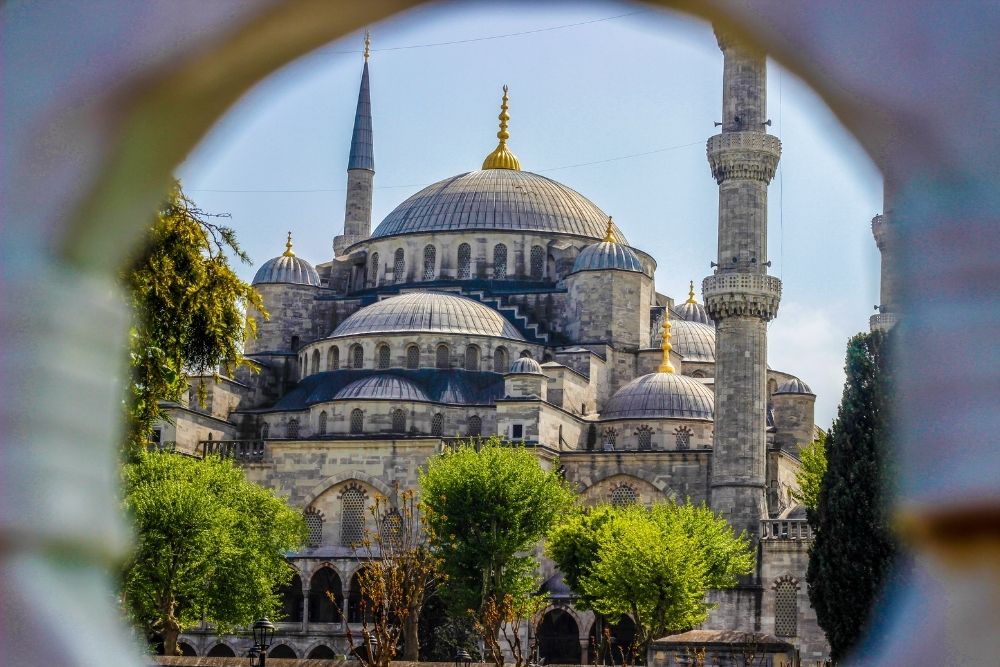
854, 548
188, 311
653, 564
810, 476
210, 545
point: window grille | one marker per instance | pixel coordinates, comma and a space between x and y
265, 430
357, 356
472, 358
443, 357
357, 421
537, 262
315, 364
610, 436
786, 608
500, 364
437, 424
398, 266
499, 261
373, 271
430, 254
464, 261
683, 435
314, 527
382, 356
475, 425
392, 529
322, 423
413, 357
398, 421
333, 358
645, 434
623, 495
352, 516
292, 430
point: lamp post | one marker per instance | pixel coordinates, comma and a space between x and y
462, 658
263, 633
252, 654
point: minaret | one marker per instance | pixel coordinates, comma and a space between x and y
740, 296
360, 169
882, 230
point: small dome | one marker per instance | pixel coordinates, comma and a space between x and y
693, 340
525, 365
287, 269
607, 255
793, 386
692, 312
661, 395
385, 387
434, 312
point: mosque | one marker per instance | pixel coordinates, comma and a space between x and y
499, 301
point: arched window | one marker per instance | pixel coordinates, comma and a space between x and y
591, 437
443, 356
464, 261
392, 529
537, 262
333, 358
610, 436
314, 527
352, 516
295, 343
292, 599
359, 607
398, 266
324, 585
373, 270
500, 363
499, 261
357, 356
382, 356
683, 436
398, 421
472, 358
292, 430
437, 424
698, 374
322, 423
265, 430
786, 607
430, 254
315, 364
623, 495
645, 434
772, 386
526, 354
475, 425
357, 421
412, 356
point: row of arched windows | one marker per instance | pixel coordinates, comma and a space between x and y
325, 599
644, 436
536, 266
411, 358
356, 424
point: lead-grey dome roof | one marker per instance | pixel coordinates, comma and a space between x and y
431, 312
525, 365
387, 387
607, 255
793, 386
693, 340
497, 199
286, 269
661, 395
692, 312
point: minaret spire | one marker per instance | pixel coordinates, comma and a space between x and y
609, 233
288, 247
360, 167
501, 157
665, 365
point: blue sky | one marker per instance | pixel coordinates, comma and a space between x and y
627, 92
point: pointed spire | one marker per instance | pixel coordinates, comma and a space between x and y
501, 157
362, 151
288, 247
691, 298
665, 365
609, 233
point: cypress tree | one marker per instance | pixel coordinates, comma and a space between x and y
854, 548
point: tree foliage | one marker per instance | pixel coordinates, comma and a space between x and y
855, 548
810, 476
210, 545
653, 564
188, 307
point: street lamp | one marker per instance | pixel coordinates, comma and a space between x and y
462, 658
252, 654
263, 633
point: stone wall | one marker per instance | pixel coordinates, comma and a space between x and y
291, 323
677, 475
787, 560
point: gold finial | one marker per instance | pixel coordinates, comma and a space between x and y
501, 157
691, 298
609, 234
665, 365
288, 247
368, 45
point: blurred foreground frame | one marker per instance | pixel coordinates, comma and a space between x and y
94, 129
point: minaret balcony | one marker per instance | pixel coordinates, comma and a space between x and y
880, 230
741, 295
747, 155
882, 321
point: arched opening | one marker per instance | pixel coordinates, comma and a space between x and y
373, 270
321, 423
315, 361
382, 356
220, 651
472, 358
321, 652
186, 649
501, 361
398, 420
499, 261
559, 638
333, 358
398, 266
282, 651
786, 607
437, 424
464, 261
610, 641
358, 605
537, 262
292, 429
314, 527
475, 426
412, 356
352, 515
357, 421
292, 600
326, 596
430, 255
357, 356
442, 357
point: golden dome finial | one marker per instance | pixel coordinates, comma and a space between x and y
288, 247
665, 365
609, 233
691, 298
501, 157
368, 45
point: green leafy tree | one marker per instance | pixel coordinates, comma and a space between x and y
855, 549
210, 545
653, 564
810, 476
189, 311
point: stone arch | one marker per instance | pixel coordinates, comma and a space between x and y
472, 355
383, 356
413, 356
347, 476
559, 638
357, 604
282, 651
315, 360
357, 356
786, 606
321, 652
501, 360
333, 358
442, 356
623, 634
322, 609
647, 484
221, 650
292, 599
186, 649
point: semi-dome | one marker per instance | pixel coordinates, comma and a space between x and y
383, 387
607, 255
661, 395
693, 340
793, 386
287, 268
526, 365
497, 200
428, 312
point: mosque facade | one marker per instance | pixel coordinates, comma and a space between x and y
501, 302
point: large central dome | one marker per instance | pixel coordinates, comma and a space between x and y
499, 200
